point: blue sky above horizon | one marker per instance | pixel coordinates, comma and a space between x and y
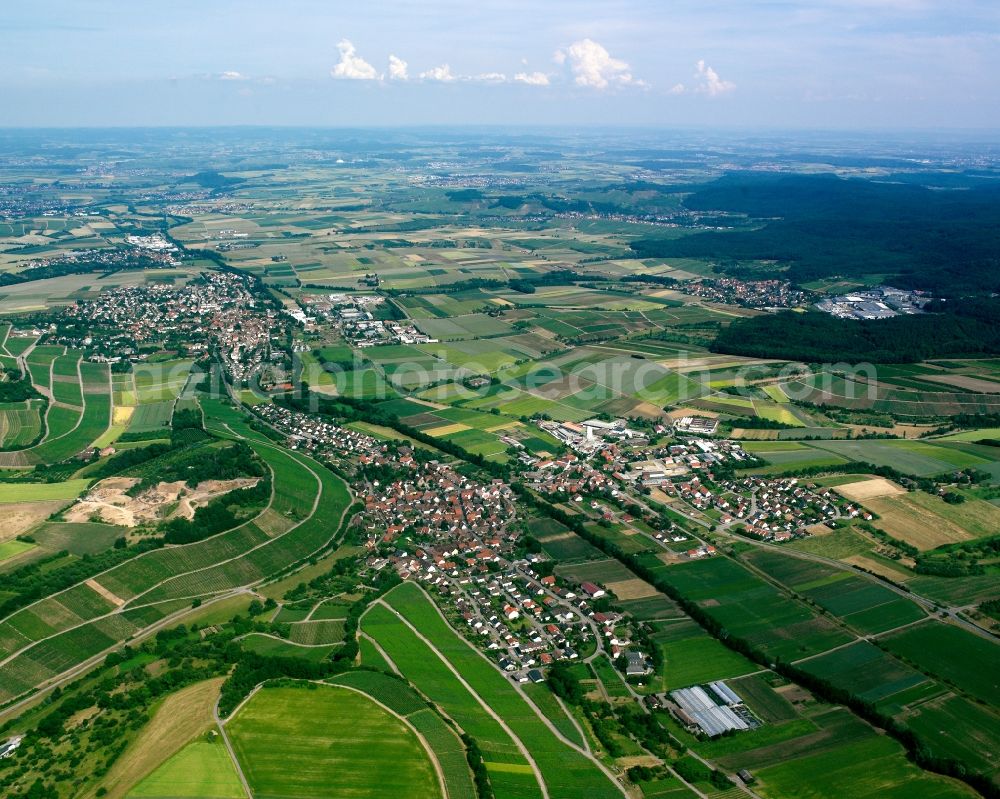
853, 64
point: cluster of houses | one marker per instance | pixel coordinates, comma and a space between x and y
214, 206
218, 307
457, 536
111, 258
323, 439
748, 293
435, 506
569, 477
781, 509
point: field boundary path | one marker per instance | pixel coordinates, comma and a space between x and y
482, 703
583, 750
132, 604
221, 723
423, 741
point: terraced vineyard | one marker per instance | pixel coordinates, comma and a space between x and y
57, 633
78, 412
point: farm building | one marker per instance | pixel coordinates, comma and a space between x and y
696, 705
10, 746
593, 591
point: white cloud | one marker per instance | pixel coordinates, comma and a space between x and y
594, 67
532, 78
709, 81
232, 75
489, 77
441, 74
352, 66
677, 88
398, 68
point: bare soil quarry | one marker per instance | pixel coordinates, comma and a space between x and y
108, 500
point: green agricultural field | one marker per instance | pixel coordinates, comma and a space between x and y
960, 657
749, 607
785, 459
161, 381
11, 549
866, 671
910, 457
859, 602
566, 772
92, 423
20, 424
610, 677
443, 740
39, 492
692, 657
873, 768
201, 770
304, 741
599, 571
151, 416
509, 771
952, 726
547, 702
837, 544
237, 557
276, 647
568, 547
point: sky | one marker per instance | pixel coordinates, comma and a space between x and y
775, 64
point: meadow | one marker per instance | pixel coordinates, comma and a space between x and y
309, 740
201, 770
444, 741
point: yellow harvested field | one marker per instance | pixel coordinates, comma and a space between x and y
114, 599
19, 517
870, 489
906, 518
181, 718
647, 410
122, 414
878, 567
679, 413
632, 589
749, 434
545, 539
504, 426
446, 430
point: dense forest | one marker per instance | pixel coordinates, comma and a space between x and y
965, 327
815, 227
15, 387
